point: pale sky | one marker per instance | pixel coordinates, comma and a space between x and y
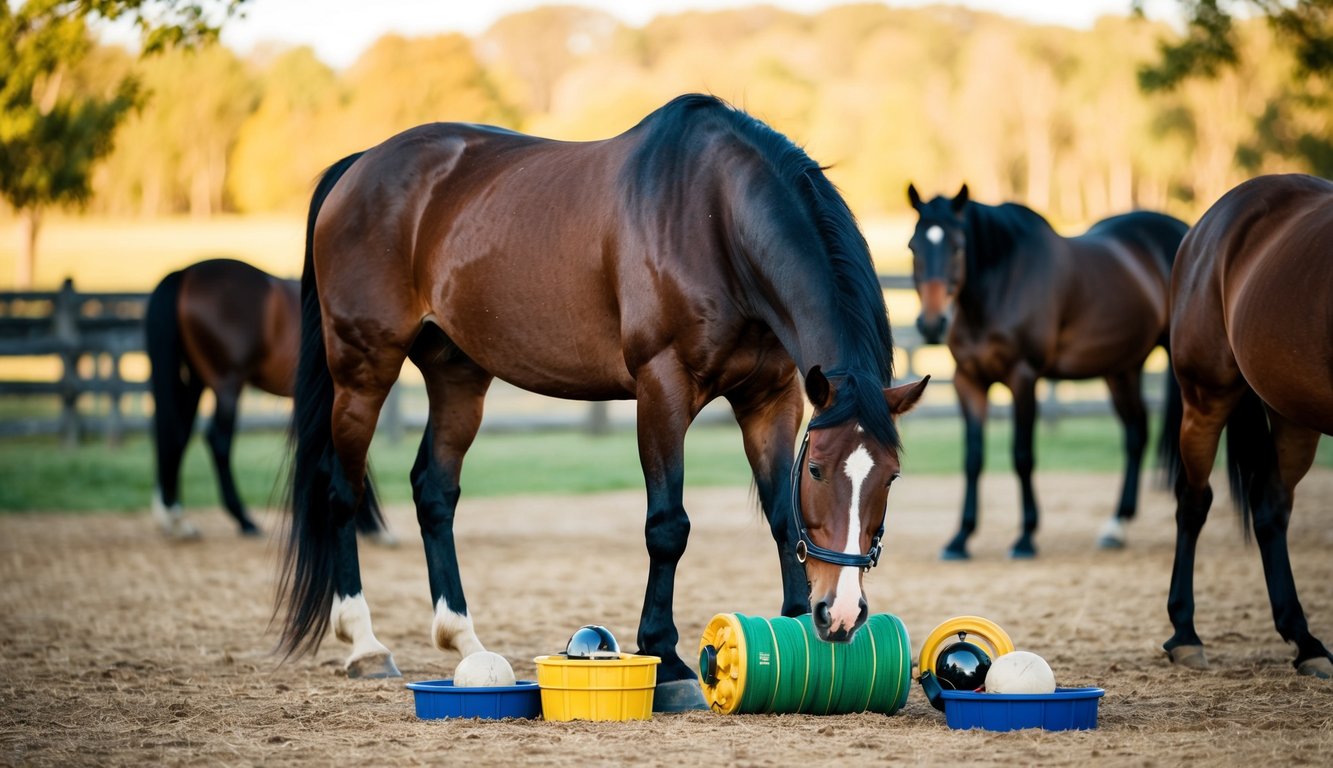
339, 30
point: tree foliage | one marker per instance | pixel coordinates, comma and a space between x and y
54, 127
937, 95
1210, 44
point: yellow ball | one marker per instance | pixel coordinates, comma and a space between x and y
1020, 672
483, 669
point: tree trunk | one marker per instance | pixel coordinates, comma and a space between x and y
30, 222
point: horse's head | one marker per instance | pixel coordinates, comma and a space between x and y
841, 489
939, 246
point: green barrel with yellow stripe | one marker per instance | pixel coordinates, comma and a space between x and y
749, 664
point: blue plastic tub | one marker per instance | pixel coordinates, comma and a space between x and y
437, 699
1068, 709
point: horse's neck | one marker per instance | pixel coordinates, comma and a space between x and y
1000, 252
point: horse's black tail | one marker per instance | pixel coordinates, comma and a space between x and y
174, 384
306, 583
1251, 455
1168, 443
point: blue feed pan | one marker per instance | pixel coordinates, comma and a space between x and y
1068, 709
439, 698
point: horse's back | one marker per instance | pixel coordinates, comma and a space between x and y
561, 267
1253, 294
1114, 280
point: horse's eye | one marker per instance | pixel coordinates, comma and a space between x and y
816, 472
895, 476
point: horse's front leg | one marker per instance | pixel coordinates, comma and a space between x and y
768, 428
456, 394
972, 402
1023, 384
667, 403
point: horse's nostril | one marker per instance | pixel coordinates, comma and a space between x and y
822, 617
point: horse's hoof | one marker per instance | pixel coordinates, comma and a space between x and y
1112, 535
678, 696
181, 530
1190, 656
373, 666
252, 532
953, 553
1022, 553
1320, 667
383, 538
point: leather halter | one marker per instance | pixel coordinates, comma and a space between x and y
807, 548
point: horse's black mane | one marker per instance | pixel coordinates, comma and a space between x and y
994, 232
860, 315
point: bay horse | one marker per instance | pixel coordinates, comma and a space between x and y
698, 255
1252, 340
219, 325
1028, 303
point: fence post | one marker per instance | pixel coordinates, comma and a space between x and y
115, 423
391, 415
64, 322
599, 418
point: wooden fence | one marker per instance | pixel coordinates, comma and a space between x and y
90, 334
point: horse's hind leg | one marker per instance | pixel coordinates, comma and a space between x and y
1127, 397
768, 428
1205, 414
457, 390
173, 431
1272, 501
221, 430
362, 377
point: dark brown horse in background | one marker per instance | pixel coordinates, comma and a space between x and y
219, 325
698, 255
1252, 342
1028, 303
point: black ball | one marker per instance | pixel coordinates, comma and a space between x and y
962, 666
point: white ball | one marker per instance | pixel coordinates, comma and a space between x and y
483, 669
1020, 672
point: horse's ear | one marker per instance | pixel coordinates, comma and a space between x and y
903, 397
913, 196
817, 388
960, 200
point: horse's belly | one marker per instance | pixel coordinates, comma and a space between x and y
561, 353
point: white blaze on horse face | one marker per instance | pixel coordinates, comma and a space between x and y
351, 624
846, 606
454, 630
935, 234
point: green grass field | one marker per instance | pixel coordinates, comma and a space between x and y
36, 474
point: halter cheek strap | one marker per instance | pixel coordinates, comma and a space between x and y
807, 548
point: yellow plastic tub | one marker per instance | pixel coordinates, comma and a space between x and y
597, 689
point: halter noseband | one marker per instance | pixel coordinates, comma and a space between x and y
807, 548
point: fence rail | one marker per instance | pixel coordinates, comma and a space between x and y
90, 334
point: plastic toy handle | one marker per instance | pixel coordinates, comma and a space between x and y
975, 627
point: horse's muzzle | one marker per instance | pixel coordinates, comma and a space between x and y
822, 619
932, 329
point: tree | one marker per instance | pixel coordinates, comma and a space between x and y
1209, 44
53, 134
1294, 123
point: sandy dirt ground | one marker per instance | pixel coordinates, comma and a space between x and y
119, 647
